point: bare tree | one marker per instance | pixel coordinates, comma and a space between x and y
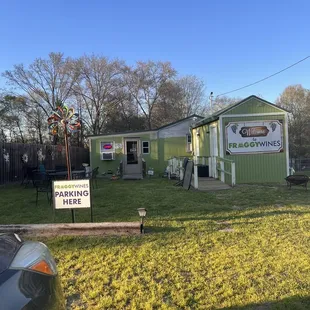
193, 95
97, 89
220, 103
169, 107
12, 117
144, 83
36, 125
45, 81
296, 99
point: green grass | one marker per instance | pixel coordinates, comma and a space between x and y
244, 248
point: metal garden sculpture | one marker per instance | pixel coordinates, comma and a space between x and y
64, 120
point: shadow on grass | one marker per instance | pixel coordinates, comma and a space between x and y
241, 216
290, 303
164, 229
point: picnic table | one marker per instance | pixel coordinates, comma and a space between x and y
63, 174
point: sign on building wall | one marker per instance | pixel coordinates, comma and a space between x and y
118, 146
106, 147
254, 137
71, 194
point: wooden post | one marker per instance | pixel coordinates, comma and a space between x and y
195, 172
233, 174
222, 170
204, 160
214, 160
181, 170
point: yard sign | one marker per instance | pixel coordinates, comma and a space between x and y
254, 137
72, 194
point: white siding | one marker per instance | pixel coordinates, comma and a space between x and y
177, 130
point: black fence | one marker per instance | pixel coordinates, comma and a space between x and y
300, 164
14, 158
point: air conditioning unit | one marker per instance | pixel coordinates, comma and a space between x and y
107, 156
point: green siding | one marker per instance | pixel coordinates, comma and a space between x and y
258, 168
171, 147
252, 106
250, 168
204, 141
105, 165
160, 151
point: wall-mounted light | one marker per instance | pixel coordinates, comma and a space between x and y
198, 132
142, 214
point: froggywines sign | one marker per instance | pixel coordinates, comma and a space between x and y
254, 137
71, 194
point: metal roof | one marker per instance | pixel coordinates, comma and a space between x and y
147, 130
215, 116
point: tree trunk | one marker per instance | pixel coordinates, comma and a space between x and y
40, 135
20, 132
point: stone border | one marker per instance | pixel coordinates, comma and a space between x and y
76, 229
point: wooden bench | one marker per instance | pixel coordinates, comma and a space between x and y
297, 180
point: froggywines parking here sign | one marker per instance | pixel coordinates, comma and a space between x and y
254, 137
71, 194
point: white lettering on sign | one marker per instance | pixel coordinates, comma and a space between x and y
254, 137
71, 194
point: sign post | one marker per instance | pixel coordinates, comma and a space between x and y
72, 194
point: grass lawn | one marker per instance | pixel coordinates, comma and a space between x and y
244, 248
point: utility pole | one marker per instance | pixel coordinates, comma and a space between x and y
211, 98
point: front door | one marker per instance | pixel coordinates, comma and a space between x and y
213, 150
132, 156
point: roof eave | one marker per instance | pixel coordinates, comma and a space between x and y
205, 121
122, 133
217, 115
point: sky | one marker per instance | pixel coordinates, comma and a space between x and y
226, 43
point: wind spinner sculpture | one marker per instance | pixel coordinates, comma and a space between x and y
63, 119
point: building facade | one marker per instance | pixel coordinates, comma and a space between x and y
134, 153
252, 134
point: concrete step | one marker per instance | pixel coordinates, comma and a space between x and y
210, 184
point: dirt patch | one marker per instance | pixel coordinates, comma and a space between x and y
69, 232
227, 230
224, 226
76, 229
74, 300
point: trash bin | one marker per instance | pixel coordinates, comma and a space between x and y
203, 171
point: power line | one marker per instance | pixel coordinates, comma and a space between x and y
268, 77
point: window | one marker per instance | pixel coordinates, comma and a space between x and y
188, 143
145, 147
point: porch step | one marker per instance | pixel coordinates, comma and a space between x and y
210, 184
134, 176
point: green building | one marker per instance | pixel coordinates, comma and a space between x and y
134, 153
246, 142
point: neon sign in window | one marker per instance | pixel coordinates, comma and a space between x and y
106, 146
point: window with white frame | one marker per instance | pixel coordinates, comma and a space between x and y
188, 143
145, 147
